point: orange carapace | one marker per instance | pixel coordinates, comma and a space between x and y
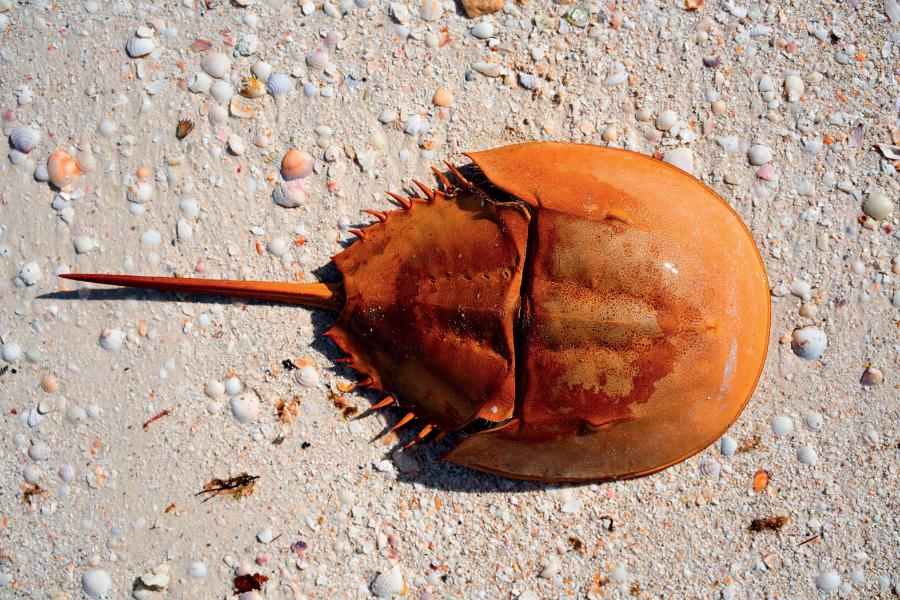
591, 313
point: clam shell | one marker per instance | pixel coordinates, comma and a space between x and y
317, 59
218, 115
137, 47
431, 10
261, 70
252, 87
200, 83
240, 108
221, 91
279, 83
216, 64
140, 192
289, 194
296, 164
62, 168
24, 139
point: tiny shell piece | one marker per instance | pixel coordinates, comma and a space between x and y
296, 164
24, 139
184, 128
487, 69
431, 10
140, 192
289, 194
240, 108
236, 144
62, 168
216, 64
137, 47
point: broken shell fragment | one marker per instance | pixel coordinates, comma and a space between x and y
289, 194
62, 168
240, 108
252, 87
185, 127
296, 164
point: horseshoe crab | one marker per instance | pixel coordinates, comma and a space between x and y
601, 313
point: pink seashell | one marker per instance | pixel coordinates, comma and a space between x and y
297, 164
766, 172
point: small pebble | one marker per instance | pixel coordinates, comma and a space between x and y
10, 352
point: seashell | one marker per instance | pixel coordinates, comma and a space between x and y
252, 87
218, 115
17, 158
216, 64
318, 58
483, 30
487, 69
279, 83
245, 407
86, 159
62, 168
289, 194
24, 139
236, 144
333, 38
307, 376
185, 127
200, 83
221, 91
240, 108
145, 31
200, 45
137, 47
111, 339
140, 192
296, 164
261, 70
431, 10
40, 173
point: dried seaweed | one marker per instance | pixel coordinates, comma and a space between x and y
769, 523
236, 487
249, 583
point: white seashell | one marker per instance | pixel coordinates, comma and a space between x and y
183, 230
261, 70
137, 47
279, 83
107, 128
415, 125
40, 173
111, 339
793, 88
96, 583
30, 273
333, 38
245, 407
24, 139
307, 376
221, 91
83, 244
236, 144
151, 238
233, 386
809, 342
140, 192
289, 194
483, 30
218, 115
318, 58
200, 83
216, 64
145, 31
487, 69
431, 10
17, 158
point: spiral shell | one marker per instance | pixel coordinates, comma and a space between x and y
216, 64
296, 164
62, 168
137, 46
251, 87
279, 83
290, 194
24, 139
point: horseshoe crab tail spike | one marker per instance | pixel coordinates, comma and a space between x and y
365, 382
443, 179
359, 233
403, 201
419, 437
462, 180
378, 215
386, 401
403, 421
317, 295
429, 193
